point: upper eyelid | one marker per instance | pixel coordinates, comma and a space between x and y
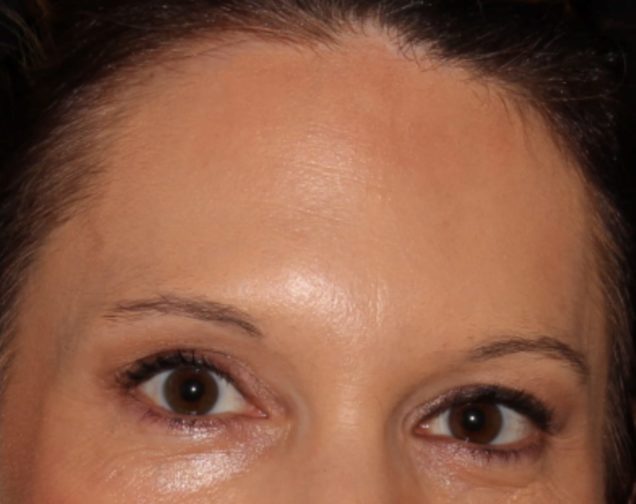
211, 368
148, 367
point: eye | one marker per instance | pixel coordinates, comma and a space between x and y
193, 390
481, 424
489, 417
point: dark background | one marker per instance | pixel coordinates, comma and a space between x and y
619, 19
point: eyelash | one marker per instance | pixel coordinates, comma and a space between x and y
519, 401
523, 403
145, 369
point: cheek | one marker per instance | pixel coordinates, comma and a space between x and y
571, 475
89, 462
141, 479
68, 444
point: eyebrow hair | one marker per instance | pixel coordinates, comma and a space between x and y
546, 346
195, 308
199, 308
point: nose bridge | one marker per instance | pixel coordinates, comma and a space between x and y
347, 460
347, 446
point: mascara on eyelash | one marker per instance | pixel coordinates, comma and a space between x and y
146, 368
517, 400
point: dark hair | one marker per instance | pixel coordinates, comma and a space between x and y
57, 91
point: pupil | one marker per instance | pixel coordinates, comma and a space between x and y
476, 423
191, 391
473, 420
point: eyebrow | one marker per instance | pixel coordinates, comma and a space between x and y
545, 346
211, 311
194, 308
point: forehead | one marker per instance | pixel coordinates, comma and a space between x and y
349, 185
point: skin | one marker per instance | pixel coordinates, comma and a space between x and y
375, 220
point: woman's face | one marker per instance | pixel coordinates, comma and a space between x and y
314, 275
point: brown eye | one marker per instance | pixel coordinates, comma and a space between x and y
191, 390
478, 423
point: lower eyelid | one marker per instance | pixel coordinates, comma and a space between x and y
487, 455
159, 420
